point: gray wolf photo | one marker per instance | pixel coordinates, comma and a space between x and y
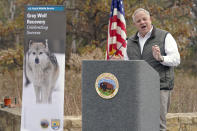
41, 69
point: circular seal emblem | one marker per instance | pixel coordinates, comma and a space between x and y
107, 85
44, 123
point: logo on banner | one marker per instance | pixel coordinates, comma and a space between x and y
107, 85
44, 124
55, 124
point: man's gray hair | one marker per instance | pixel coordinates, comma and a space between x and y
138, 10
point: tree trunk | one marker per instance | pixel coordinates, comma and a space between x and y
73, 46
12, 9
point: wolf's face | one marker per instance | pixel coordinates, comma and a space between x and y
38, 53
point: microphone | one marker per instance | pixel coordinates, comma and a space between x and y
118, 48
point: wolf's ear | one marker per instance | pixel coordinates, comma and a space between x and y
46, 43
30, 42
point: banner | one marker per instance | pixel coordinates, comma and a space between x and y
44, 68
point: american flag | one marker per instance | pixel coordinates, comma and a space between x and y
116, 30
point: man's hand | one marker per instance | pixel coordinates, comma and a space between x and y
157, 54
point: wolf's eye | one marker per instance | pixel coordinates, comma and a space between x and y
40, 53
34, 53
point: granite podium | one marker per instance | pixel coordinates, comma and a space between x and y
135, 107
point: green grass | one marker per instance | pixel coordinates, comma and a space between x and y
107, 92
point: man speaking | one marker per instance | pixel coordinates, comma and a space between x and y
159, 49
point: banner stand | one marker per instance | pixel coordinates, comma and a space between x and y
44, 68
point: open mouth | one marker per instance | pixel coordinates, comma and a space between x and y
143, 27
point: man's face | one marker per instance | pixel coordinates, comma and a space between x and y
142, 23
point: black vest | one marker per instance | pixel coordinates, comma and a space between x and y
157, 37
